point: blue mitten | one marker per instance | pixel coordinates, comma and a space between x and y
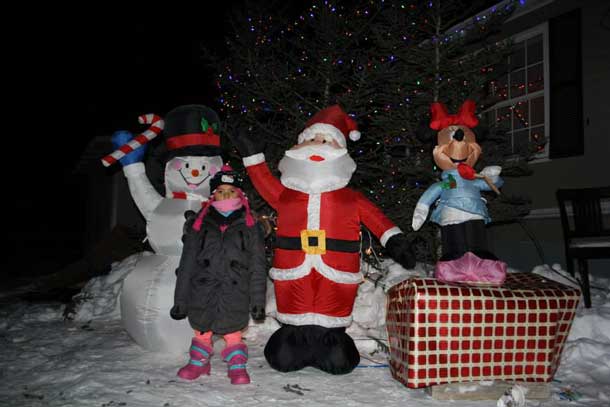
121, 137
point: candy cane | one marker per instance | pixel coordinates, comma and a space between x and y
153, 131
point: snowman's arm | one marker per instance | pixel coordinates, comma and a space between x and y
142, 191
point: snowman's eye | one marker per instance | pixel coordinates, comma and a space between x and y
203, 167
187, 165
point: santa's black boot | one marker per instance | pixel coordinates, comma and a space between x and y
287, 350
334, 350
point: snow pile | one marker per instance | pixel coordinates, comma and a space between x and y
368, 327
586, 355
555, 273
99, 298
49, 361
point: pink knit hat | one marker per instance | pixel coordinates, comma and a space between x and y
226, 175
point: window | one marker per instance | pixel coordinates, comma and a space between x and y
522, 86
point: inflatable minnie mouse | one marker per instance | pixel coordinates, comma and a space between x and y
460, 210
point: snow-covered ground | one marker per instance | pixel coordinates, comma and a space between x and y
89, 360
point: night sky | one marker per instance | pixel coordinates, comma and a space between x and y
89, 72
126, 66
82, 73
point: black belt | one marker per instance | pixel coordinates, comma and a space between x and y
336, 245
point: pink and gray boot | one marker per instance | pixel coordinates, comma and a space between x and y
237, 356
199, 363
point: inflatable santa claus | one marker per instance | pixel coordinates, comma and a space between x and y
316, 265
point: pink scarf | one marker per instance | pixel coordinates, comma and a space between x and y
227, 205
243, 201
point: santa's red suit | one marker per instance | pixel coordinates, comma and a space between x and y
316, 266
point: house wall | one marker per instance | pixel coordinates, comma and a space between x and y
97, 210
125, 212
108, 204
510, 241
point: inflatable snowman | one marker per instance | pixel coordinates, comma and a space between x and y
193, 156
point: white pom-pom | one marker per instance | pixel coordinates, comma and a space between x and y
354, 135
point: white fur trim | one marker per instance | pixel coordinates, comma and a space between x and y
314, 319
337, 276
315, 261
313, 211
307, 188
254, 159
290, 274
310, 132
134, 169
388, 234
354, 135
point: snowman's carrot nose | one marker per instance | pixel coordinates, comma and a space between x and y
156, 125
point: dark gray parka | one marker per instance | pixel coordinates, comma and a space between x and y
221, 275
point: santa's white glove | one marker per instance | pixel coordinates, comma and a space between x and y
419, 215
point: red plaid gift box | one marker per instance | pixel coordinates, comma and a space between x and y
444, 333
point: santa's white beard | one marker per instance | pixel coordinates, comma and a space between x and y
316, 176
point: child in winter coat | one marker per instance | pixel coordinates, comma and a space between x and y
222, 278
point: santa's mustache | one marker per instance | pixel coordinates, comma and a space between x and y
325, 151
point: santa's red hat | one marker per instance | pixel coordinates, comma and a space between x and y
333, 121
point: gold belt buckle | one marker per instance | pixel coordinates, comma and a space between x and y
320, 248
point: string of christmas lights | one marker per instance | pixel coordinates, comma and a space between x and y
376, 59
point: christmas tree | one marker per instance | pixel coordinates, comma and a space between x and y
384, 62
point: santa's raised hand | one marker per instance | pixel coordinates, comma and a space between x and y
246, 143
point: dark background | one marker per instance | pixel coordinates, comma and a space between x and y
79, 73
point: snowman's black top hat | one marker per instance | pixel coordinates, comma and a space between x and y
192, 130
